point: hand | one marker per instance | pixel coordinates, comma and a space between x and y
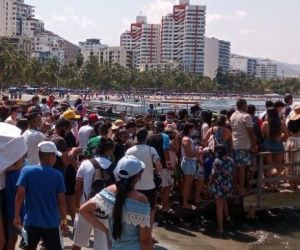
64, 228
17, 222
169, 165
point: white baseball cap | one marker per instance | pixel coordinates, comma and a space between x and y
128, 167
48, 147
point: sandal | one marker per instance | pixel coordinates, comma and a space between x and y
169, 211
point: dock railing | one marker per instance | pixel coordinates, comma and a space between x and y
263, 199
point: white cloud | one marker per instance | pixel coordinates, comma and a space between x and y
246, 31
217, 17
158, 8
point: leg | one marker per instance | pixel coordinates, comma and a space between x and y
199, 187
226, 210
188, 181
219, 210
34, 237
70, 202
165, 194
51, 238
11, 242
242, 176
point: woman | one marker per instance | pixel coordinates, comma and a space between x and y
221, 184
219, 134
293, 143
274, 133
190, 157
127, 209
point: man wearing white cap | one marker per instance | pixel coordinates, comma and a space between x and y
12, 150
42, 188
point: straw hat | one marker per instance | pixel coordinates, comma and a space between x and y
118, 124
295, 115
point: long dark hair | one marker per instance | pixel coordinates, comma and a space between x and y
274, 122
124, 186
186, 129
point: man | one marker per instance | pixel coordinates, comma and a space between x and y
15, 114
85, 132
42, 188
44, 107
243, 140
161, 142
84, 181
288, 100
33, 136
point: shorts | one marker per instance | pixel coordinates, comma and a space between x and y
2, 192
70, 180
242, 157
270, 145
82, 233
151, 196
166, 178
190, 167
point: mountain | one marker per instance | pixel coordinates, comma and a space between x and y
287, 69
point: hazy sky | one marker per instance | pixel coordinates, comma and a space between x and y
264, 28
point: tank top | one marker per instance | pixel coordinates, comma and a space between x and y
194, 149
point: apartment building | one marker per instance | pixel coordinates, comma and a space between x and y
116, 55
144, 41
182, 36
217, 56
91, 47
266, 69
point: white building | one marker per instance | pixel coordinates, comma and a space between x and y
260, 68
217, 55
116, 55
182, 36
16, 18
144, 40
158, 66
91, 47
266, 69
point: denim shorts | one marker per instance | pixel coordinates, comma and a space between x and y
270, 145
190, 167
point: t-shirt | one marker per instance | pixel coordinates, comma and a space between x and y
148, 155
61, 146
85, 133
42, 185
239, 123
161, 142
86, 173
33, 138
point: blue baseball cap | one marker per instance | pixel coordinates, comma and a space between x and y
128, 167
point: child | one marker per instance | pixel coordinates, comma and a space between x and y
221, 184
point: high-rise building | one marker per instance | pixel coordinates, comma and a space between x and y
144, 40
91, 47
116, 55
16, 18
260, 68
182, 36
217, 56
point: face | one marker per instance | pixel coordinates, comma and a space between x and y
52, 159
123, 137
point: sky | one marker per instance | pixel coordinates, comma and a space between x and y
259, 28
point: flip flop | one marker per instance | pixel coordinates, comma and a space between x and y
191, 208
169, 211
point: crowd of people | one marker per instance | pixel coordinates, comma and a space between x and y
112, 177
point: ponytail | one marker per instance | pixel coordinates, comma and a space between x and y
124, 187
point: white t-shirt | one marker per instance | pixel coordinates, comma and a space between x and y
148, 155
85, 133
86, 173
33, 138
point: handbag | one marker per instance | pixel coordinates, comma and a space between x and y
156, 177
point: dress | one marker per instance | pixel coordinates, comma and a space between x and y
222, 174
135, 214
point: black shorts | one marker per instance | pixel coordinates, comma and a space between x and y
70, 180
151, 196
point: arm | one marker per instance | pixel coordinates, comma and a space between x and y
62, 205
78, 193
146, 238
87, 211
19, 201
206, 138
285, 132
158, 166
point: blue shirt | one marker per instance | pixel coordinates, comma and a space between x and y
10, 194
42, 185
166, 141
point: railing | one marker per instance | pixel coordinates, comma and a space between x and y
262, 199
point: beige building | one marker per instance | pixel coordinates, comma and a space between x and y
116, 55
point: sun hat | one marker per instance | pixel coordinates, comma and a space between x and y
12, 145
295, 114
48, 147
128, 167
70, 114
118, 124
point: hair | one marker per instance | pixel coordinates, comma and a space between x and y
269, 104
142, 135
62, 123
251, 109
274, 122
22, 124
186, 129
279, 104
206, 116
14, 108
221, 121
224, 112
287, 97
124, 187
130, 125
195, 109
294, 126
241, 103
183, 113
44, 100
105, 145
